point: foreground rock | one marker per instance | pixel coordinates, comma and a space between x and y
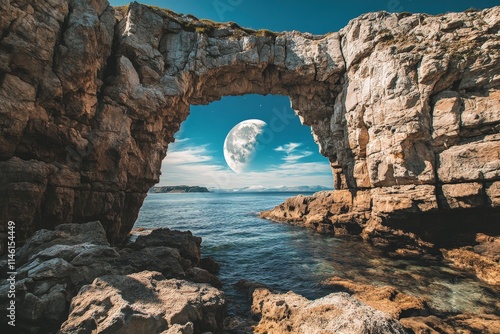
413, 313
463, 323
54, 265
144, 302
386, 299
335, 313
404, 107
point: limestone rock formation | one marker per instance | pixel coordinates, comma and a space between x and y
144, 302
483, 259
415, 132
54, 265
335, 313
413, 313
386, 299
405, 108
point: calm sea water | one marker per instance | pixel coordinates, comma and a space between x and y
287, 257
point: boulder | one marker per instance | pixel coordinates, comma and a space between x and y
199, 275
210, 265
145, 302
187, 244
335, 313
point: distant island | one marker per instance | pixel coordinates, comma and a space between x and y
277, 189
179, 189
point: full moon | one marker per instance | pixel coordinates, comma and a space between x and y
241, 144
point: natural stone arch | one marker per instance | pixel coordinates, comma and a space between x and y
169, 57
102, 99
91, 102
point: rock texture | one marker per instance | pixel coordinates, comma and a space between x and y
144, 302
483, 259
405, 107
414, 134
118, 287
413, 313
386, 299
335, 313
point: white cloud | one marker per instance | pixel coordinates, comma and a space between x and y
287, 148
191, 155
292, 158
293, 155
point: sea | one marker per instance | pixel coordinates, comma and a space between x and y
286, 257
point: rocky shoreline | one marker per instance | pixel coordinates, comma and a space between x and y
456, 239
70, 280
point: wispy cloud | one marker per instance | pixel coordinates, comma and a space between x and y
292, 158
287, 148
293, 155
189, 155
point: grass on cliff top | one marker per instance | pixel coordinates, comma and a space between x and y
203, 26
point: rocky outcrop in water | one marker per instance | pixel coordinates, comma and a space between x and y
405, 107
483, 258
413, 313
145, 284
386, 299
452, 235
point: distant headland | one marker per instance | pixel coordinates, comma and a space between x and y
179, 189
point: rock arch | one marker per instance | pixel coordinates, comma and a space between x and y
91, 102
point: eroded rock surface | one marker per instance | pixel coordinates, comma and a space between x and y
483, 259
386, 299
53, 266
414, 313
405, 107
415, 134
335, 313
144, 302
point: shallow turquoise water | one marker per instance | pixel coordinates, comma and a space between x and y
287, 257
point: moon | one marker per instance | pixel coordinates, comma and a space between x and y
241, 144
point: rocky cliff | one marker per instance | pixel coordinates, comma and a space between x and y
405, 107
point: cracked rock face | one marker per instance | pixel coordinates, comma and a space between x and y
91, 100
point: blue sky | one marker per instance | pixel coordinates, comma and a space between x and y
289, 156
286, 156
